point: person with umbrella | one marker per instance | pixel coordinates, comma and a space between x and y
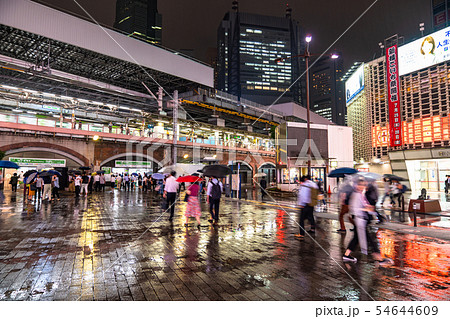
361, 209
47, 194
213, 195
170, 193
345, 192
55, 185
263, 185
13, 181
77, 184
39, 185
97, 182
84, 184
102, 182
395, 192
193, 205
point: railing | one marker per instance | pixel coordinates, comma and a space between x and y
130, 131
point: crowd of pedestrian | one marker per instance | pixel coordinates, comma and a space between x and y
358, 200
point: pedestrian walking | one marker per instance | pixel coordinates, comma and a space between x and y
263, 186
2, 182
71, 183
344, 194
307, 200
145, 182
47, 194
110, 126
447, 183
55, 187
77, 183
39, 186
386, 184
97, 182
170, 193
13, 181
395, 193
102, 181
193, 205
84, 184
113, 181
126, 180
80, 125
119, 182
139, 178
213, 195
360, 209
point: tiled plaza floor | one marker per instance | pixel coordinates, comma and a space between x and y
118, 246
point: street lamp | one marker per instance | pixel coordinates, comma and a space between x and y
308, 122
307, 56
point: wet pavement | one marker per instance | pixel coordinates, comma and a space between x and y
119, 246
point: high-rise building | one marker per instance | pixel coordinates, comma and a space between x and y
419, 119
440, 14
248, 48
327, 89
140, 19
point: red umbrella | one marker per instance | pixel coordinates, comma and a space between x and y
188, 179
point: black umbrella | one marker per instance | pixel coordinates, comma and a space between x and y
342, 172
196, 174
85, 168
216, 171
393, 177
50, 173
74, 172
28, 173
101, 172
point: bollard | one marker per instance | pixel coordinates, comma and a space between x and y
415, 214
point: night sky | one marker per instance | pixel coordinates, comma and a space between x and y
191, 26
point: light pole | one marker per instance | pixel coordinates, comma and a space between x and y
308, 123
307, 56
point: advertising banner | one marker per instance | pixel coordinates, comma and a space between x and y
133, 164
354, 84
424, 52
37, 161
393, 86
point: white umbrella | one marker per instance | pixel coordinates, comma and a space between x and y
42, 167
368, 176
260, 175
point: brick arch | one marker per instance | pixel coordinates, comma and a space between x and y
46, 147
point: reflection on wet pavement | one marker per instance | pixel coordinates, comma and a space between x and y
117, 246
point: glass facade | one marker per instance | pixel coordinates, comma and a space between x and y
259, 48
428, 174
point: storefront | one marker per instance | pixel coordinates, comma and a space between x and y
129, 167
428, 174
26, 164
424, 168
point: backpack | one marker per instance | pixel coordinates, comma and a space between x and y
85, 179
314, 196
216, 192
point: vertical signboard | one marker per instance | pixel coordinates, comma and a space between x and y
393, 87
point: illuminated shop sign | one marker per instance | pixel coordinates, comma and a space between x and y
354, 84
393, 86
423, 130
424, 52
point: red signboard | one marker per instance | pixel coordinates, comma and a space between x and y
423, 130
393, 86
